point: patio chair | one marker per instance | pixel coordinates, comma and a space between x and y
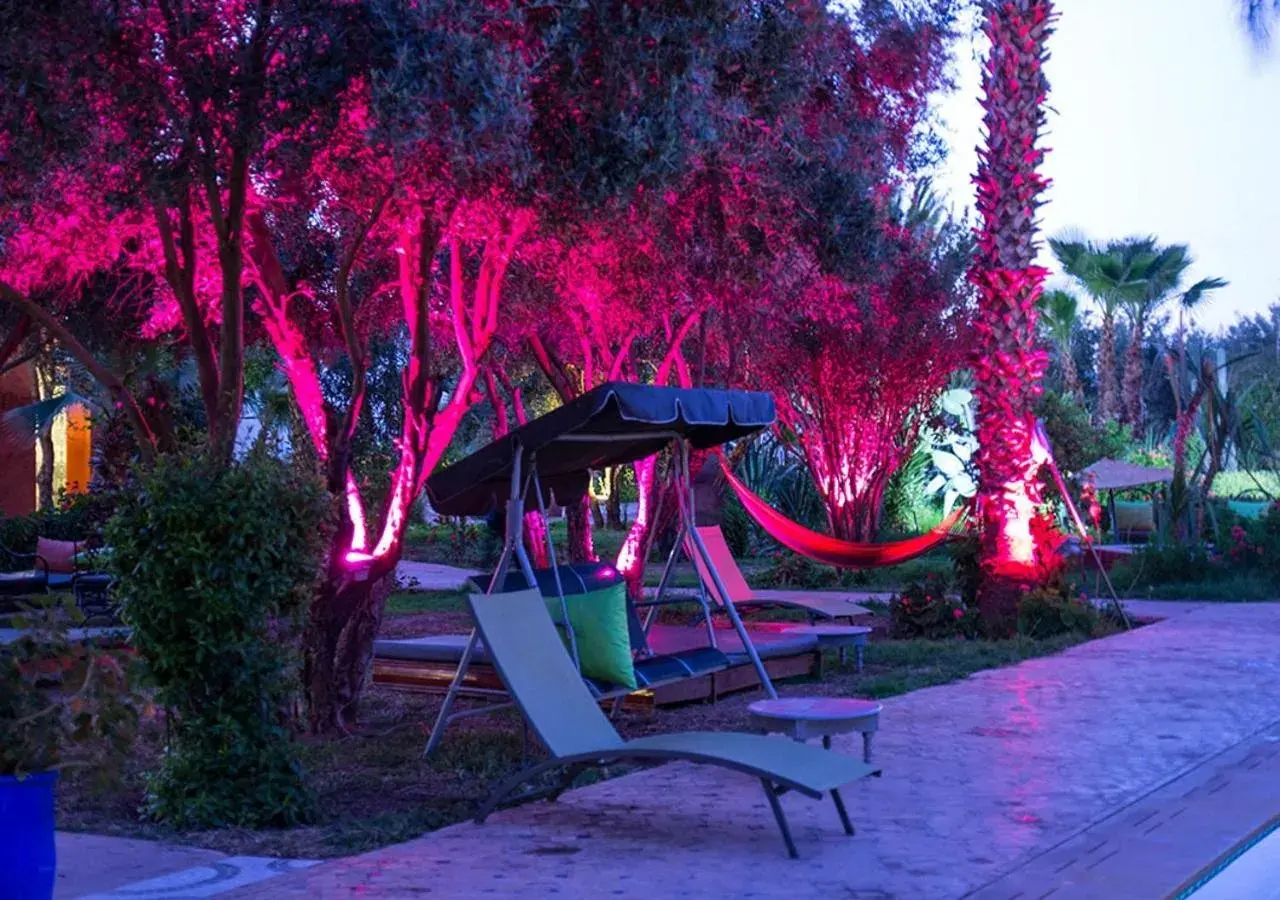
817, 604
541, 677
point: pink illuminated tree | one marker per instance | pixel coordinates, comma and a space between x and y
1009, 362
860, 317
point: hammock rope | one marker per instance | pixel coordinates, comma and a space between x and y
829, 550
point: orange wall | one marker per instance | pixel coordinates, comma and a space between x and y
78, 447
17, 464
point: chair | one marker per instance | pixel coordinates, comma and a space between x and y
541, 678
25, 581
817, 604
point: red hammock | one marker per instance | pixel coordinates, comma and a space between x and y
829, 550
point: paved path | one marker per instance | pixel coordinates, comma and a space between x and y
983, 779
98, 867
424, 576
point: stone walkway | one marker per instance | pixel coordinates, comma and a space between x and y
424, 576
984, 779
99, 867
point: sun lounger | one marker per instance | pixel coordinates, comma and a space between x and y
818, 604
521, 640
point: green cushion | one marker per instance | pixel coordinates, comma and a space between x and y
599, 621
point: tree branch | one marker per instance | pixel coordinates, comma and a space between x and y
108, 379
14, 341
179, 272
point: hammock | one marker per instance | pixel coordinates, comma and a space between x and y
832, 551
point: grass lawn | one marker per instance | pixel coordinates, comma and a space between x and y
374, 789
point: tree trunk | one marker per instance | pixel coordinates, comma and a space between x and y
45, 377
1108, 409
1132, 383
577, 520
631, 556
338, 650
613, 504
1071, 376
1008, 364
535, 539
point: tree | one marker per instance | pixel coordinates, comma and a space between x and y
1009, 364
135, 130
1113, 275
1259, 19
1060, 318
1161, 281
858, 316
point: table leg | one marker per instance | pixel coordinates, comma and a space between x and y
866, 746
826, 742
858, 651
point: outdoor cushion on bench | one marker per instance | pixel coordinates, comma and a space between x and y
595, 596
649, 672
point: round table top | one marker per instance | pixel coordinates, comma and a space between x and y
829, 630
815, 708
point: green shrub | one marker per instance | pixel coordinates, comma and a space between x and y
63, 703
791, 570
216, 565
1056, 609
75, 517
966, 567
1077, 443
1156, 564
925, 609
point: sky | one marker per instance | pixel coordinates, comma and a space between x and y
1164, 121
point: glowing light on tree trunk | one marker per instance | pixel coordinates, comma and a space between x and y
1017, 545
629, 560
355, 511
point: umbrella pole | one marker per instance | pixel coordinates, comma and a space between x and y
1088, 541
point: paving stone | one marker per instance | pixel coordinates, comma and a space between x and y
982, 778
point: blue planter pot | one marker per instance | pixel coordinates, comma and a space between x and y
27, 860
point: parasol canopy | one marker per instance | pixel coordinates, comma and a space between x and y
1113, 475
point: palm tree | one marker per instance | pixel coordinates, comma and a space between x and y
1060, 317
1112, 275
1162, 279
1259, 19
1008, 364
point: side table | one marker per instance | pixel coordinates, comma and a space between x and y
840, 636
803, 718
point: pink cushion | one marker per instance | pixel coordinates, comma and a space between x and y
60, 555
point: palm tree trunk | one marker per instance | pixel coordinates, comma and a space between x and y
1071, 375
1008, 363
1107, 409
1132, 385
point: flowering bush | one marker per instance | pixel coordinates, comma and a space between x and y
1056, 609
925, 610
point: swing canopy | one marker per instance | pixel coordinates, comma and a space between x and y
610, 425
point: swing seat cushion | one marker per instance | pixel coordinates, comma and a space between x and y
596, 596
599, 620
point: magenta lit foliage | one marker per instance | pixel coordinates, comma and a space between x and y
1010, 363
851, 370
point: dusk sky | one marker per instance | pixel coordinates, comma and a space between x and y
1164, 121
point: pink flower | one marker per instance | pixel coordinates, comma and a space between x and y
958, 613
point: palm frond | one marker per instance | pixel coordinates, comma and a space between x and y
22, 425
